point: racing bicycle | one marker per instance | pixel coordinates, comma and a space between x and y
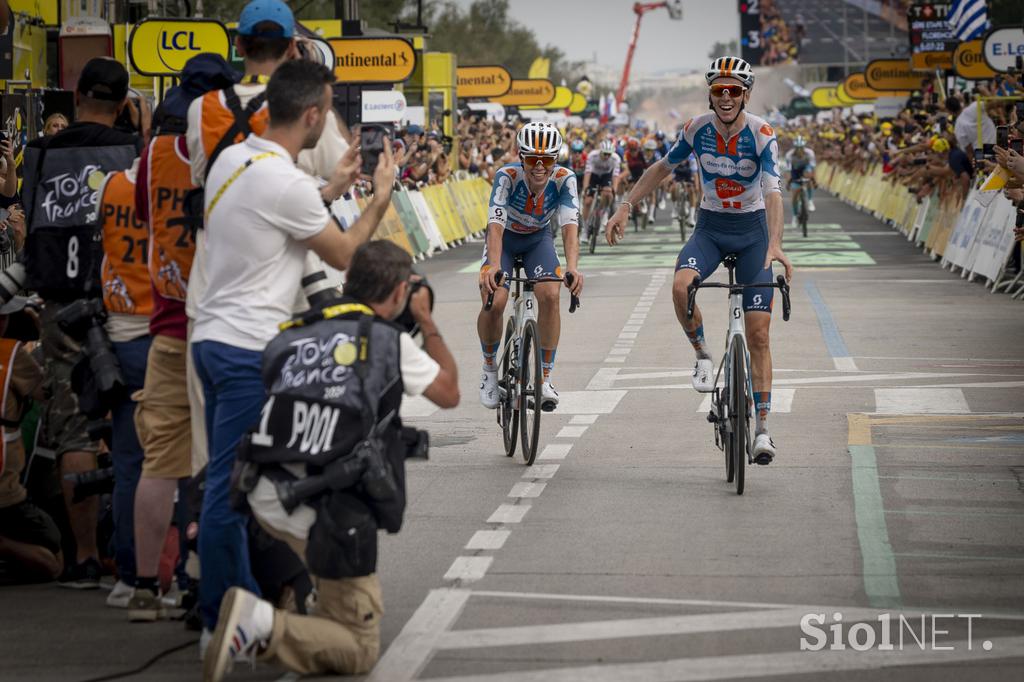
593, 225
800, 202
520, 375
731, 406
682, 208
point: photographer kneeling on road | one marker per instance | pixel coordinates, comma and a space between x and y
263, 214
325, 466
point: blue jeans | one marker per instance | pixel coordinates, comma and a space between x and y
126, 454
234, 394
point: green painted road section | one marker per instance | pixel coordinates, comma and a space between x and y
880, 578
657, 247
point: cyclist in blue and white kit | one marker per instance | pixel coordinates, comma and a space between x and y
525, 197
741, 213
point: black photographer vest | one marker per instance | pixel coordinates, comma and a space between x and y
63, 251
317, 407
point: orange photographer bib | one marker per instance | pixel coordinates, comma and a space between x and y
125, 273
172, 248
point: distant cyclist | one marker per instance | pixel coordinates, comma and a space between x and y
578, 160
601, 172
525, 197
801, 162
741, 213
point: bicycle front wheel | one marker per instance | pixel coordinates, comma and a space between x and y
803, 213
739, 413
531, 391
595, 222
508, 415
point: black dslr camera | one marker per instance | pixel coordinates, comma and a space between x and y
405, 320
83, 321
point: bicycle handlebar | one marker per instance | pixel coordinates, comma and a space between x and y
574, 301
780, 283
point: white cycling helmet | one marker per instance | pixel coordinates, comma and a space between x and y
799, 141
539, 138
730, 67
607, 147
650, 145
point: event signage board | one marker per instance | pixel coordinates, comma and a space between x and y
373, 60
482, 81
845, 98
825, 98
528, 92
891, 74
160, 47
382, 106
969, 61
856, 86
578, 104
929, 61
1002, 48
751, 47
928, 29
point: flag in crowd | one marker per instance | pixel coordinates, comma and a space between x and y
968, 18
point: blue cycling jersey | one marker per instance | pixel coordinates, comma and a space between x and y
516, 208
735, 173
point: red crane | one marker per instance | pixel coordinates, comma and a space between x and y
675, 11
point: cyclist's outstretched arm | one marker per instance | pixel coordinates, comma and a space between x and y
647, 183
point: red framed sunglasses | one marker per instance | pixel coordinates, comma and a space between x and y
531, 160
734, 91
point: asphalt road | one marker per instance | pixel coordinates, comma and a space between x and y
623, 554
825, 39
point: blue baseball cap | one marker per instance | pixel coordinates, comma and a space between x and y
258, 11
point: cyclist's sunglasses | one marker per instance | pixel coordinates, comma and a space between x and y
531, 160
605, 153
734, 91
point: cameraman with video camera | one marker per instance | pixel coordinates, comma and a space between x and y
63, 253
324, 468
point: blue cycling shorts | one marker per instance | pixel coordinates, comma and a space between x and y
746, 235
540, 261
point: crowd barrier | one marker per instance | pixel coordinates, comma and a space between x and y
975, 238
426, 221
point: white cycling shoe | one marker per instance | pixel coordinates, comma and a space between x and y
764, 449
549, 397
489, 389
704, 375
810, 205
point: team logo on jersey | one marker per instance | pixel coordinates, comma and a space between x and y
767, 130
723, 165
727, 189
561, 173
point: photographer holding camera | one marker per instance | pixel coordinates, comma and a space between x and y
263, 215
63, 253
335, 379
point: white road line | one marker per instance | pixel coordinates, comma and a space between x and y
619, 351
410, 652
781, 665
631, 328
608, 380
555, 451
583, 419
571, 432
468, 569
589, 402
604, 378
845, 364
488, 539
920, 401
509, 513
627, 335
782, 401
620, 358
542, 471
527, 489
554, 596
622, 628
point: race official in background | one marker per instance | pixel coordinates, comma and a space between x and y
263, 214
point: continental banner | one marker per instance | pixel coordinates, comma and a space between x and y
969, 61
891, 74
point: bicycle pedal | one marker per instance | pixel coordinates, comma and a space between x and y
548, 406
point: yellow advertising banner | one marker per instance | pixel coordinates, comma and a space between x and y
528, 92
160, 47
540, 68
562, 99
482, 81
891, 74
929, 61
856, 86
47, 10
579, 103
373, 60
969, 61
843, 97
825, 98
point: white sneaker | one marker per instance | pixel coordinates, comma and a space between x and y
661, 204
549, 397
489, 389
810, 205
704, 375
764, 449
120, 595
204, 642
244, 624
794, 223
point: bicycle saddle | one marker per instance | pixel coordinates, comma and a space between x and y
729, 260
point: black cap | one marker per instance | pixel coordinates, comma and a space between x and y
105, 79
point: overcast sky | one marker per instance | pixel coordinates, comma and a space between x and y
582, 28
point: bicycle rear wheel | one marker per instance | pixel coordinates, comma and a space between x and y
508, 415
803, 213
531, 377
683, 211
595, 222
739, 413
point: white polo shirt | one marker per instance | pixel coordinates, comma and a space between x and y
253, 255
